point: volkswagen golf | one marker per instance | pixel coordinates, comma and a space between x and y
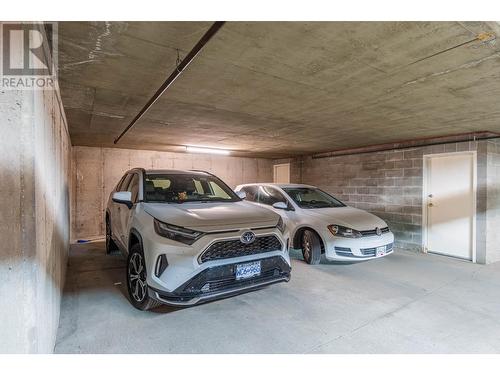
321, 224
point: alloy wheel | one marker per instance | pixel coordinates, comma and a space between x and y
137, 277
306, 246
108, 233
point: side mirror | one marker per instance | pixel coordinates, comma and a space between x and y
123, 197
241, 194
280, 205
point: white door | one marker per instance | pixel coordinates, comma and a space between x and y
282, 173
449, 204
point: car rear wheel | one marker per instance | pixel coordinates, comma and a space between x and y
110, 244
136, 280
311, 247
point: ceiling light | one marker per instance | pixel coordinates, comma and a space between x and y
205, 150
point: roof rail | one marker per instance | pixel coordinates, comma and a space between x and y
201, 170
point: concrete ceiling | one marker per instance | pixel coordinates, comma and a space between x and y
277, 89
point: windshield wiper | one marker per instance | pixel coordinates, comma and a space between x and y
316, 204
208, 200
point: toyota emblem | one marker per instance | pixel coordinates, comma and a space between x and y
378, 231
247, 237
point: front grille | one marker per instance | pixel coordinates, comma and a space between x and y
373, 232
344, 251
221, 285
371, 252
222, 278
235, 248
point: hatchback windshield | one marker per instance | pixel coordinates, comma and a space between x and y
180, 188
312, 198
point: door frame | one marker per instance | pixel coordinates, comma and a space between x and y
280, 165
425, 181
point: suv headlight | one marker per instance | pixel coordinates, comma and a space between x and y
339, 230
175, 233
281, 225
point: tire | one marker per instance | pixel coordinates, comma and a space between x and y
311, 247
110, 244
136, 280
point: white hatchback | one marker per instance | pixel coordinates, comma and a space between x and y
319, 224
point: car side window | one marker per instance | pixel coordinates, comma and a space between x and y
251, 192
133, 187
270, 196
119, 184
122, 186
217, 190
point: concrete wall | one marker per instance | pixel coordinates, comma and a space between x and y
99, 169
34, 221
389, 184
493, 202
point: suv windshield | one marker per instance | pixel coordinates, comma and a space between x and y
306, 197
180, 188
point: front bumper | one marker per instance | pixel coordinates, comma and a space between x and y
186, 265
359, 249
220, 281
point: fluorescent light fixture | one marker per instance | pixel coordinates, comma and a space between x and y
206, 150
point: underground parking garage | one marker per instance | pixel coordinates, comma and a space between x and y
398, 120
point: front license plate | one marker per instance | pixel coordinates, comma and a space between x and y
380, 251
247, 270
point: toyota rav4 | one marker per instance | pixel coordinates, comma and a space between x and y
189, 238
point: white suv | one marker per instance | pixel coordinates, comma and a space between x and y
189, 238
319, 223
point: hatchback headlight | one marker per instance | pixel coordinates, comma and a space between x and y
281, 225
175, 233
339, 230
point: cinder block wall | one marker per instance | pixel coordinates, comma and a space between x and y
34, 221
97, 171
389, 184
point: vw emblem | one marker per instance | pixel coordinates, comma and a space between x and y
378, 231
247, 237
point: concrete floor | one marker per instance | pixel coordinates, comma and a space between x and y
404, 303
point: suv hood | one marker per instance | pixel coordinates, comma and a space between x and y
347, 216
215, 216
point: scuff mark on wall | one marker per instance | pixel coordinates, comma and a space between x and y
101, 47
99, 41
105, 114
468, 65
77, 63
